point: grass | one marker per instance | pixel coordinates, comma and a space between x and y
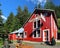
58, 43
1, 43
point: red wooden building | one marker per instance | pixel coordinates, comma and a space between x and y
16, 35
41, 26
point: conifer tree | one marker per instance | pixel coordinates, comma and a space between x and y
10, 22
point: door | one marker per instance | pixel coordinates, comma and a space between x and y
46, 35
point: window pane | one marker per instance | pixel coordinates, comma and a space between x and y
37, 24
46, 13
34, 33
34, 24
38, 32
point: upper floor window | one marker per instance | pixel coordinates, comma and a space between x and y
37, 24
46, 13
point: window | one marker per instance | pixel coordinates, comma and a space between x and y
36, 33
36, 29
37, 24
46, 13
34, 24
21, 35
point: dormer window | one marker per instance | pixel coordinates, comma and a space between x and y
46, 13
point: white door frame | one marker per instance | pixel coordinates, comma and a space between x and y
48, 34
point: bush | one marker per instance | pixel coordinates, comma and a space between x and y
53, 42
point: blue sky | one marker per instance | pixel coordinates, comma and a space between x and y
11, 5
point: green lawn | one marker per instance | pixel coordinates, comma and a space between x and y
58, 43
1, 43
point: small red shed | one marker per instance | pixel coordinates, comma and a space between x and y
41, 26
16, 35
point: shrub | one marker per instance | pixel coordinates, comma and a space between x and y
53, 42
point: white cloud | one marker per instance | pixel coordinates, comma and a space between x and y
42, 2
3, 17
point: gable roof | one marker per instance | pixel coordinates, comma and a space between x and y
36, 11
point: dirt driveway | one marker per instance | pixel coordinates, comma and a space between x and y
39, 45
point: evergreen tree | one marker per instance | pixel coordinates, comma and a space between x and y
18, 18
49, 5
59, 25
9, 25
26, 14
38, 6
1, 22
21, 17
57, 10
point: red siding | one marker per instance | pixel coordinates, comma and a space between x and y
12, 36
29, 29
53, 29
47, 25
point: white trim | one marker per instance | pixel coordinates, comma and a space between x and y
51, 26
36, 23
43, 18
36, 19
25, 35
48, 34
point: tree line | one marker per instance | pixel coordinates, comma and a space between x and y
14, 22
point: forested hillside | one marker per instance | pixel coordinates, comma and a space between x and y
14, 22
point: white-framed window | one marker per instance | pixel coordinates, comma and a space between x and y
20, 35
36, 34
36, 24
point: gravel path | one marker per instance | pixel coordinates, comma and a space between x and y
43, 46
37, 45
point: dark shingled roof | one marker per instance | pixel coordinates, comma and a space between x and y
36, 11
